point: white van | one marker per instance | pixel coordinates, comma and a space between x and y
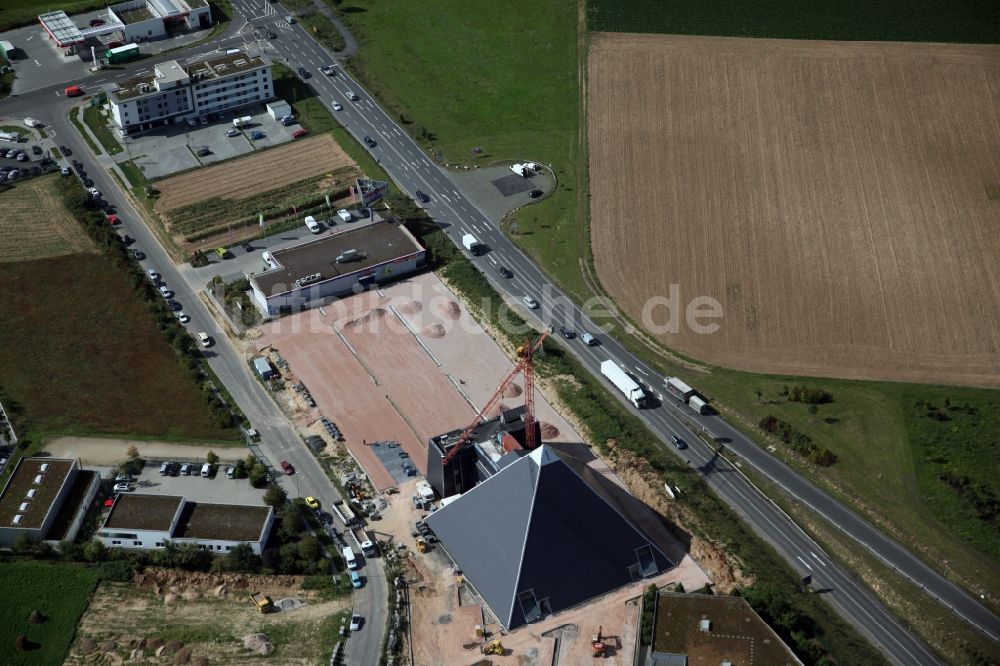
230, 472
345, 215
206, 470
312, 225
349, 560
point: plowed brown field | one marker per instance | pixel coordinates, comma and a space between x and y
249, 176
840, 200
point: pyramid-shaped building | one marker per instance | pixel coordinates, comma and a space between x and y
542, 535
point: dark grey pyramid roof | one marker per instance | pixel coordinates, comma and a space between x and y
542, 528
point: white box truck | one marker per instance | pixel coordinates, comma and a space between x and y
472, 245
242, 122
699, 404
628, 386
519, 169
349, 560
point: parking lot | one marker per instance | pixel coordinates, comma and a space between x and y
37, 162
217, 489
168, 150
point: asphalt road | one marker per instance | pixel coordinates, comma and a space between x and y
411, 169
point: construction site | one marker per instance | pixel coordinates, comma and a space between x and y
517, 541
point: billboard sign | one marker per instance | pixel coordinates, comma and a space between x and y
371, 190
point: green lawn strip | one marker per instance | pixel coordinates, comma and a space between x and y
324, 30
941, 629
502, 78
297, 4
94, 119
805, 621
136, 179
73, 118
60, 592
871, 20
310, 113
55, 153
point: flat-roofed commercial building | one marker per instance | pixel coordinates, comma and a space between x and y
45, 499
133, 21
148, 522
176, 92
313, 272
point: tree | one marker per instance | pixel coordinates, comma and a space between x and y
95, 551
275, 496
291, 522
310, 549
760, 394
240, 559
211, 458
132, 453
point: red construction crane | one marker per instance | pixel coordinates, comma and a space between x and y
526, 366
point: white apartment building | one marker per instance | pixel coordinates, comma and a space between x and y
198, 89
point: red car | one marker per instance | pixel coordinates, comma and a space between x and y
299, 133
113, 220
287, 468
109, 502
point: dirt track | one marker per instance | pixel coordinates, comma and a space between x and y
840, 200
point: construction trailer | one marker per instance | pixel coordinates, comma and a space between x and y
699, 404
677, 388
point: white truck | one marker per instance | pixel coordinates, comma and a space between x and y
242, 122
31, 122
677, 388
699, 404
520, 170
624, 383
472, 245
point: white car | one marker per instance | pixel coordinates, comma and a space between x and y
530, 302
233, 132
204, 339
165, 292
351, 96
183, 318
153, 275
337, 106
327, 69
94, 192
355, 622
65, 171
122, 488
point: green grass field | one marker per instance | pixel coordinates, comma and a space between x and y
81, 355
500, 77
876, 20
898, 445
95, 121
60, 592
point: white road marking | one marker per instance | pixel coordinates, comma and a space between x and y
817, 558
38, 63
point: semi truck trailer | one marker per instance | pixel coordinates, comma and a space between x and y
624, 383
698, 404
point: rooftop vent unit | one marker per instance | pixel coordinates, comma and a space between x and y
44, 467
349, 255
705, 625
17, 519
23, 507
221, 66
240, 61
31, 493
308, 279
38, 479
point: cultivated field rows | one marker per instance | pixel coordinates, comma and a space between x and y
249, 176
838, 199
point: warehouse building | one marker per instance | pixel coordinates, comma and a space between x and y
708, 629
45, 499
543, 535
135, 21
148, 522
175, 92
314, 272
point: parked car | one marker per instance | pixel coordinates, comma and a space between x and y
299, 133
165, 292
289, 19
94, 192
247, 247
257, 135
337, 106
312, 502
204, 151
370, 142
65, 171
232, 132
113, 220
204, 339
506, 272
287, 468
530, 302
174, 305
123, 478
122, 488
534, 194
186, 469
154, 276
183, 318
139, 255
66, 152
356, 582
109, 502
21, 157
356, 621
272, 35
90, 184
127, 240
37, 150
422, 196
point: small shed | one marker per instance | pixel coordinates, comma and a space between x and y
278, 109
263, 367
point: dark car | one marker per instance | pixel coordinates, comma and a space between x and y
174, 305
139, 254
76, 164
370, 142
287, 468
247, 247
204, 151
128, 240
37, 150
506, 272
422, 197
88, 182
678, 442
567, 333
66, 152
534, 194
304, 73
271, 35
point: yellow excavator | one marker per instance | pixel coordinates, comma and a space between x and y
494, 647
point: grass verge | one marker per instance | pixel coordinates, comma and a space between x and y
323, 29
309, 111
74, 118
59, 592
95, 121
